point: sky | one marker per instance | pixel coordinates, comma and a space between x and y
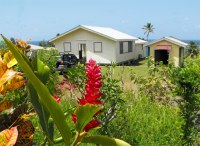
43, 19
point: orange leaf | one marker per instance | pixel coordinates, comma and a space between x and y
10, 81
8, 137
3, 68
5, 105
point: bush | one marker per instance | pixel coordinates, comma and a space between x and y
145, 122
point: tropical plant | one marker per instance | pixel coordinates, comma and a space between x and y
148, 29
84, 116
188, 86
192, 49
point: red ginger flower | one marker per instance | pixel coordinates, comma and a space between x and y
92, 92
93, 84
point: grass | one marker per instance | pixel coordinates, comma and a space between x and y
123, 73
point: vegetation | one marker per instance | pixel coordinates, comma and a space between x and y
192, 50
148, 28
46, 44
142, 104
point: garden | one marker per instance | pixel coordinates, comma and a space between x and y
143, 105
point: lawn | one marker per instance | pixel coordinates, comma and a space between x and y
123, 73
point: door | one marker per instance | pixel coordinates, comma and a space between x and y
82, 51
161, 55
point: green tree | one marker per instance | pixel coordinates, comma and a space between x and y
46, 44
192, 49
148, 29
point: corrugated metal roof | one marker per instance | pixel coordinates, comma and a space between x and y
103, 31
112, 33
170, 39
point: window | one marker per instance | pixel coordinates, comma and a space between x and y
67, 47
126, 47
97, 47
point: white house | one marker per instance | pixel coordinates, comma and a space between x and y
105, 45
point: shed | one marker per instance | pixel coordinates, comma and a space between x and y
168, 50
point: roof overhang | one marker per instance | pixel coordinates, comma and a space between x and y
87, 29
165, 39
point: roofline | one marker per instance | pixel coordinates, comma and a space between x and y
87, 29
166, 39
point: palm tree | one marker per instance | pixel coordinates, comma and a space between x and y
192, 49
148, 29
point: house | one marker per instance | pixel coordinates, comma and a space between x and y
167, 50
103, 44
140, 48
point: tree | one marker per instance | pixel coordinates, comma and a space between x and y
192, 49
46, 44
148, 29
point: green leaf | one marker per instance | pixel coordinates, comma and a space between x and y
8, 137
45, 97
84, 115
105, 141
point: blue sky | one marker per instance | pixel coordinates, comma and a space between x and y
43, 19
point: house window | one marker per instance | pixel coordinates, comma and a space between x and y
125, 47
97, 47
67, 47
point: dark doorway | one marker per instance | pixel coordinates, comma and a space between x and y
161, 55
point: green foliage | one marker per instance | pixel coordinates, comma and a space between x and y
48, 56
157, 84
112, 98
84, 115
187, 79
192, 50
144, 122
77, 76
46, 44
105, 141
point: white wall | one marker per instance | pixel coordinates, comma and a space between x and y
110, 49
81, 36
125, 56
140, 50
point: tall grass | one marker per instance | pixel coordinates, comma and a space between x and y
143, 122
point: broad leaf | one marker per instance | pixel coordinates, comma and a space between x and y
4, 105
10, 81
105, 141
84, 115
9, 59
8, 137
45, 97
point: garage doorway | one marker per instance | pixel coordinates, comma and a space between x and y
162, 55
